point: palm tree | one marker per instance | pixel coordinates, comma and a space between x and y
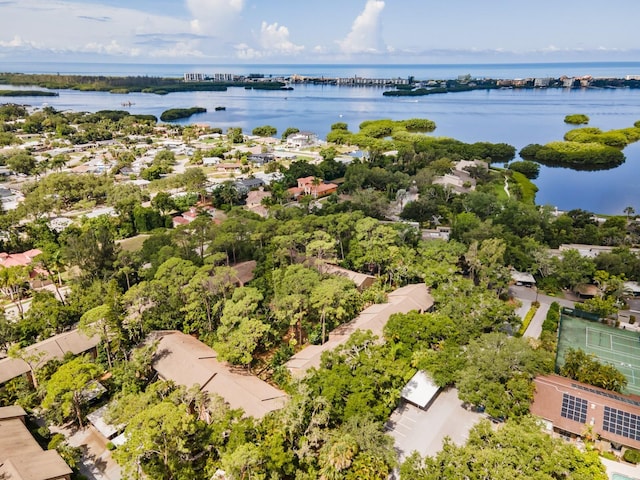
12, 284
52, 263
228, 193
629, 211
125, 263
337, 456
59, 161
316, 182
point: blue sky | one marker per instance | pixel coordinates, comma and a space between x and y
324, 31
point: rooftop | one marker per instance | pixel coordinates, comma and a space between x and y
571, 406
73, 341
187, 361
21, 458
373, 318
420, 390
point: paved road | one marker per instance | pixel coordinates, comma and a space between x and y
530, 294
527, 296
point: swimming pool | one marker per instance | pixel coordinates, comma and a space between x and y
619, 476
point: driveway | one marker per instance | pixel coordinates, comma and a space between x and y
535, 327
424, 430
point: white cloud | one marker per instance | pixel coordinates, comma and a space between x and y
245, 52
214, 17
64, 26
18, 42
110, 48
274, 39
366, 33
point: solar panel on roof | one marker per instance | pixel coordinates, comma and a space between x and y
620, 398
621, 423
574, 408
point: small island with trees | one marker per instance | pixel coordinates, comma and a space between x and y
576, 119
586, 148
27, 93
180, 113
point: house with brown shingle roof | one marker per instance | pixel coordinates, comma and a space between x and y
55, 347
187, 361
373, 318
21, 458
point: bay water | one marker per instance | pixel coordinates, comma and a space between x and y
516, 117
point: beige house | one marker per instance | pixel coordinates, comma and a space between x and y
187, 361
373, 318
21, 458
73, 341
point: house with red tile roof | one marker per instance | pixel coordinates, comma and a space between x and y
312, 186
18, 259
24, 259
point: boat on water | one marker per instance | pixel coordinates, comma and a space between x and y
218, 109
127, 104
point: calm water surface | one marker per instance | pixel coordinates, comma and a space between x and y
511, 116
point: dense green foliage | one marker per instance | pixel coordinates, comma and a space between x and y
613, 138
531, 170
585, 148
517, 450
144, 84
185, 279
581, 156
586, 368
265, 131
180, 113
27, 93
576, 119
631, 455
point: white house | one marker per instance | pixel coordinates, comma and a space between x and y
302, 139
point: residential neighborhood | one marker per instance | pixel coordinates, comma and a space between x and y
185, 302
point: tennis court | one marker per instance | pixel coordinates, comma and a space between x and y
620, 348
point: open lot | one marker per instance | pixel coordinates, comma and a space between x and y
424, 430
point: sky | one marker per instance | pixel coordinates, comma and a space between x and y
321, 31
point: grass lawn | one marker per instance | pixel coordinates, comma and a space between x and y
133, 244
498, 190
527, 187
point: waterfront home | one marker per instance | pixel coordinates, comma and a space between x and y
302, 139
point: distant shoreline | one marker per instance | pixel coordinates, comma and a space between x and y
396, 86
419, 70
